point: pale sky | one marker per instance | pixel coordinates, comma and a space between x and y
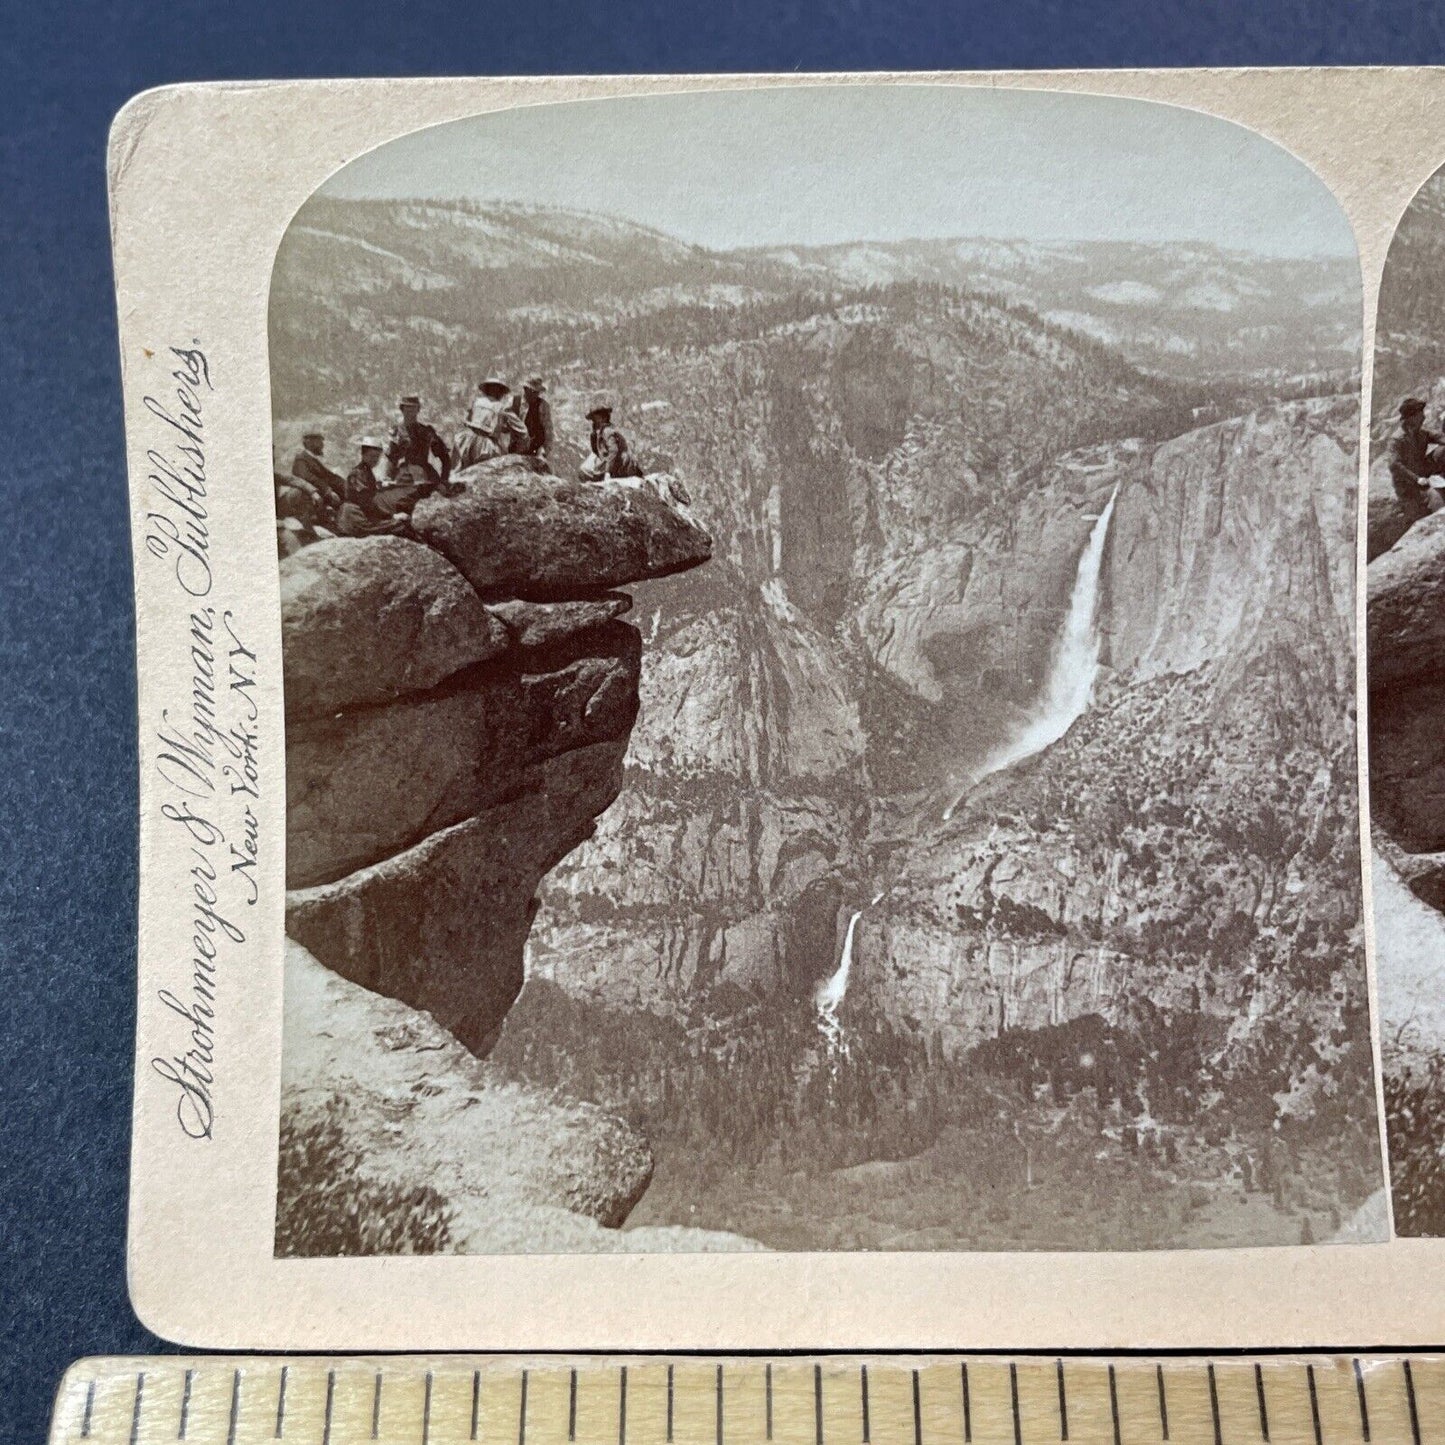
810, 165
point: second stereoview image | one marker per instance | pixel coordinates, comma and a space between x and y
1405, 611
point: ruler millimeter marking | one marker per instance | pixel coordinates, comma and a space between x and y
832, 1400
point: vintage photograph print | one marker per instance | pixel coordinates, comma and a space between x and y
819, 671
1405, 611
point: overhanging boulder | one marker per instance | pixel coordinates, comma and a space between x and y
441, 926
515, 531
1406, 611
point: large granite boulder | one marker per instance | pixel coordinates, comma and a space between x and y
512, 530
1386, 519
1407, 765
404, 1108
361, 785
441, 926
1406, 612
364, 620
1405, 622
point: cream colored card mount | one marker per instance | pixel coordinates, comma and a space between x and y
776, 760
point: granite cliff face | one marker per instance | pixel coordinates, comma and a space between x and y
449, 740
890, 574
1188, 845
1202, 811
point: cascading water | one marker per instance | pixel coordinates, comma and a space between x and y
1073, 666
829, 995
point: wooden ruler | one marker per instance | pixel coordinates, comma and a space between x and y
741, 1400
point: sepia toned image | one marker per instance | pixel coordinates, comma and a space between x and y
819, 674
1406, 650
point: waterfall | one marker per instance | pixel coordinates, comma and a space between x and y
830, 993
1073, 665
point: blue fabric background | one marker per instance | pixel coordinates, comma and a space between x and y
67, 729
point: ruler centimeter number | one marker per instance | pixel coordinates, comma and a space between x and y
741, 1400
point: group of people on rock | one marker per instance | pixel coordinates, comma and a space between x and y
1417, 456
315, 501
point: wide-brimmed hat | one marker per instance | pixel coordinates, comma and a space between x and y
410, 401
1411, 406
600, 406
494, 381
315, 434
534, 383
371, 444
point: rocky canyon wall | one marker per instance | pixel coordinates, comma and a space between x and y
1190, 846
892, 564
788, 767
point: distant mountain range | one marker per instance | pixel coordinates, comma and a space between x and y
1184, 310
354, 278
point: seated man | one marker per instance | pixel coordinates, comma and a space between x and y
413, 447
492, 427
611, 456
363, 513
1412, 463
297, 500
307, 466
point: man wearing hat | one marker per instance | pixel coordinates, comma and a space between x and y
308, 467
536, 414
611, 456
412, 446
492, 427
361, 514
1412, 463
